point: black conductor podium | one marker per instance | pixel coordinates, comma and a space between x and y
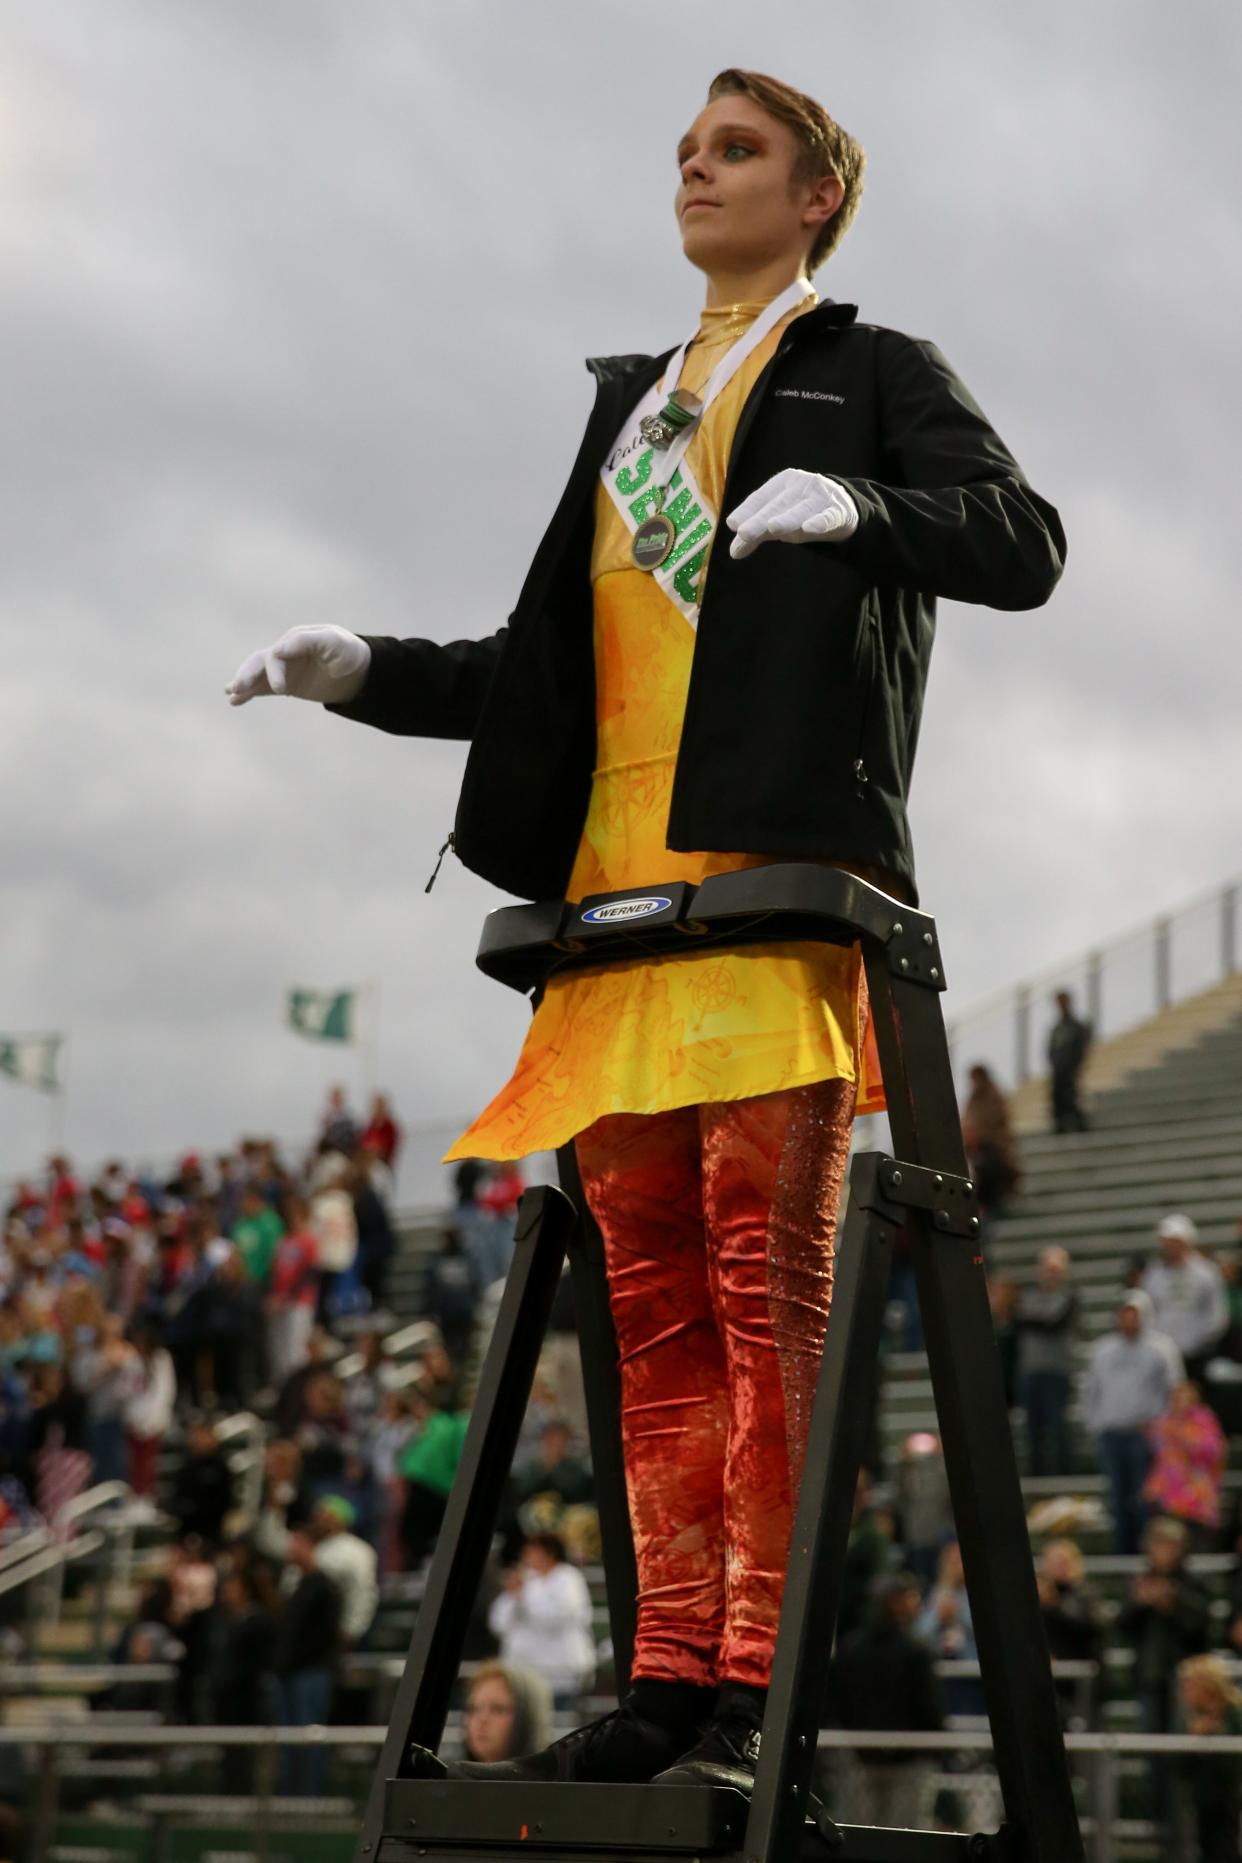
923, 1186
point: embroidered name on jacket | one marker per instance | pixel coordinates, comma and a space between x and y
807, 394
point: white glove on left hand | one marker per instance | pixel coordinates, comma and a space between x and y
794, 507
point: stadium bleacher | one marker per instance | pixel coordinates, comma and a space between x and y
1166, 1132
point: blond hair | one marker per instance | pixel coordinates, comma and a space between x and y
1211, 1669
1074, 1553
824, 148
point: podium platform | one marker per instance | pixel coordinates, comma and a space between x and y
925, 1187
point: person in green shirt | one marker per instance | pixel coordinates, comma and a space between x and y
256, 1235
429, 1464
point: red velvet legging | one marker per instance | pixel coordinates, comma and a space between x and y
718, 1225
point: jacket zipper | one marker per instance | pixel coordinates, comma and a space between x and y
869, 647
451, 842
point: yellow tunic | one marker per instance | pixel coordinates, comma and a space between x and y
651, 1034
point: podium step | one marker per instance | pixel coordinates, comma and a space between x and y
465, 1821
677, 1820
456, 1821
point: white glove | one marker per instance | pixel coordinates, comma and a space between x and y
325, 663
794, 507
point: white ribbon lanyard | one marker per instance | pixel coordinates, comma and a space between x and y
637, 475
724, 371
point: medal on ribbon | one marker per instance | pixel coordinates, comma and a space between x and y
670, 535
681, 409
652, 541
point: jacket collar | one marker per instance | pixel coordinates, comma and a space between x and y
827, 315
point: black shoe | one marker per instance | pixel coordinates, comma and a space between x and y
728, 1752
626, 1747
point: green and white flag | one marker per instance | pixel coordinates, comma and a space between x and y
325, 1015
31, 1060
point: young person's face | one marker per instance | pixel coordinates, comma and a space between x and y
734, 202
489, 1720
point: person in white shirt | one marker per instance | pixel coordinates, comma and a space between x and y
350, 1563
335, 1229
148, 1410
1187, 1293
543, 1619
1145, 1308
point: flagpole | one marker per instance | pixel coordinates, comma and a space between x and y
368, 1046
58, 1099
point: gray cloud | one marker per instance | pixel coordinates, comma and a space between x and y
295, 299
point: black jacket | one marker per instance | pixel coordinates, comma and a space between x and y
810, 663
883, 1679
203, 1495
308, 1635
1161, 1638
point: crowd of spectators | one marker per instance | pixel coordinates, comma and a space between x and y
132, 1308
897, 1629
1149, 1405
1156, 1394
135, 1298
136, 1310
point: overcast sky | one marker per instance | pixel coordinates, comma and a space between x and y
294, 298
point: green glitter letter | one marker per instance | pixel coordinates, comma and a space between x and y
683, 581
687, 542
630, 478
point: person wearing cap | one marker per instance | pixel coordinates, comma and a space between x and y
1142, 1304
883, 1678
305, 1659
349, 1562
1188, 1294
1128, 1385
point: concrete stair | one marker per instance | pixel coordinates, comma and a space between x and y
1166, 1135
1111, 1064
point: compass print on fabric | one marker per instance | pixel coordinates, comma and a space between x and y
714, 989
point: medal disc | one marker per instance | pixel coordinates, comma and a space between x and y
655, 430
652, 541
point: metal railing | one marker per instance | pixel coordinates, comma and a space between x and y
21, 1548
246, 1461
41, 1557
1097, 1759
406, 1343
1115, 985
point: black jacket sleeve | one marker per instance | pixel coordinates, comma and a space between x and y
420, 688
959, 519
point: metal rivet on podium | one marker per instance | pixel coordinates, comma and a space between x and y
934, 973
897, 931
927, 938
